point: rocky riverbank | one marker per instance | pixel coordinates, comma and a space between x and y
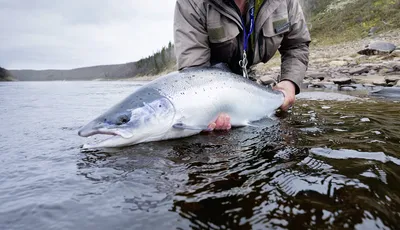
342, 67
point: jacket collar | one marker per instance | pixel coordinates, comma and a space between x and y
225, 8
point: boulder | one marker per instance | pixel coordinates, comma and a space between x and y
317, 75
347, 87
392, 78
395, 53
379, 83
359, 70
342, 81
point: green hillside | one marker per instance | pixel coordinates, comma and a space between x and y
337, 21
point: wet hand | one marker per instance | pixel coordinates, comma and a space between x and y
223, 122
289, 91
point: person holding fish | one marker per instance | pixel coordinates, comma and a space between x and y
242, 33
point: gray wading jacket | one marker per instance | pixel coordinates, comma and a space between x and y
211, 31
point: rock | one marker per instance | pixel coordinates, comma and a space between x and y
395, 53
322, 84
392, 78
361, 59
347, 87
379, 83
337, 63
317, 75
368, 79
266, 80
368, 85
387, 92
372, 30
377, 47
342, 81
359, 70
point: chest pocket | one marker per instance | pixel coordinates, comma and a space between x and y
273, 31
222, 33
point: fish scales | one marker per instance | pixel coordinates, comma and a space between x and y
181, 104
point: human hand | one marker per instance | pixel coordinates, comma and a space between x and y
289, 91
223, 122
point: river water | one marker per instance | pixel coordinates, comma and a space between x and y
325, 164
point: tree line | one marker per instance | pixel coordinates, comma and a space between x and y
5, 75
158, 62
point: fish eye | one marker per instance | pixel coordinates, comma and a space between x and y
122, 120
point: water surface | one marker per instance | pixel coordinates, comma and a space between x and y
325, 164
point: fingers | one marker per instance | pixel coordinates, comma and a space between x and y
288, 101
211, 126
223, 122
288, 90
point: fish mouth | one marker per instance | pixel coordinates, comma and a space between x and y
88, 133
124, 133
112, 137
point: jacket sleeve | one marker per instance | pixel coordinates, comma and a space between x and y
294, 48
190, 35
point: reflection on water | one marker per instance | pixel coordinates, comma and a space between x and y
323, 165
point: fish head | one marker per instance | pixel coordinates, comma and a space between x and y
147, 121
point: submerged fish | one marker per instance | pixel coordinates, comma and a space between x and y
182, 104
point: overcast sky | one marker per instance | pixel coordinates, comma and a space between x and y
48, 34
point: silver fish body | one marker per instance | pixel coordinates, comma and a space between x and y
182, 104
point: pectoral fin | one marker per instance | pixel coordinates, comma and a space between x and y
190, 127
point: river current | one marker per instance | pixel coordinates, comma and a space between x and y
331, 162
